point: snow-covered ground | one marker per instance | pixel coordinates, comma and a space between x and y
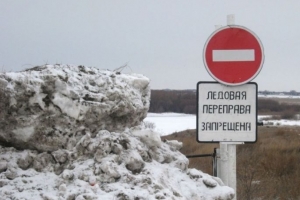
168, 123
279, 96
75, 133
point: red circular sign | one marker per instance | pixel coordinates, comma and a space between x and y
233, 55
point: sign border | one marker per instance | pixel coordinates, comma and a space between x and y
197, 115
223, 28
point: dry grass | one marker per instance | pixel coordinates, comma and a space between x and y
267, 169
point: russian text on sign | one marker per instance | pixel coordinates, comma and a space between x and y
226, 126
227, 109
228, 95
226, 113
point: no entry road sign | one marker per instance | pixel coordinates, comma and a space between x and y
233, 55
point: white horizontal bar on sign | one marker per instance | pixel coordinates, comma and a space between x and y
233, 55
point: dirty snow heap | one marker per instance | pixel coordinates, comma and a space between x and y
76, 132
46, 107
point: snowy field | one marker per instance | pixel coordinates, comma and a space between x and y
278, 96
168, 123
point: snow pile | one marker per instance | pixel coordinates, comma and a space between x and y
125, 162
47, 107
109, 166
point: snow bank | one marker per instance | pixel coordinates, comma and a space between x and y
86, 151
46, 107
109, 166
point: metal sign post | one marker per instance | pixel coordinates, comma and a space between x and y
228, 151
227, 111
227, 115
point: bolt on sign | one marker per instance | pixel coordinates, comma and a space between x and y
225, 113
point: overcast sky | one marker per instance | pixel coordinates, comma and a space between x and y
161, 39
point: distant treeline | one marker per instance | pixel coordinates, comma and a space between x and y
179, 101
184, 101
287, 111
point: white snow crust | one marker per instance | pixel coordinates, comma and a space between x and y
168, 123
53, 146
51, 100
110, 166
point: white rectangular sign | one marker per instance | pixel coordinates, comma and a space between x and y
226, 113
